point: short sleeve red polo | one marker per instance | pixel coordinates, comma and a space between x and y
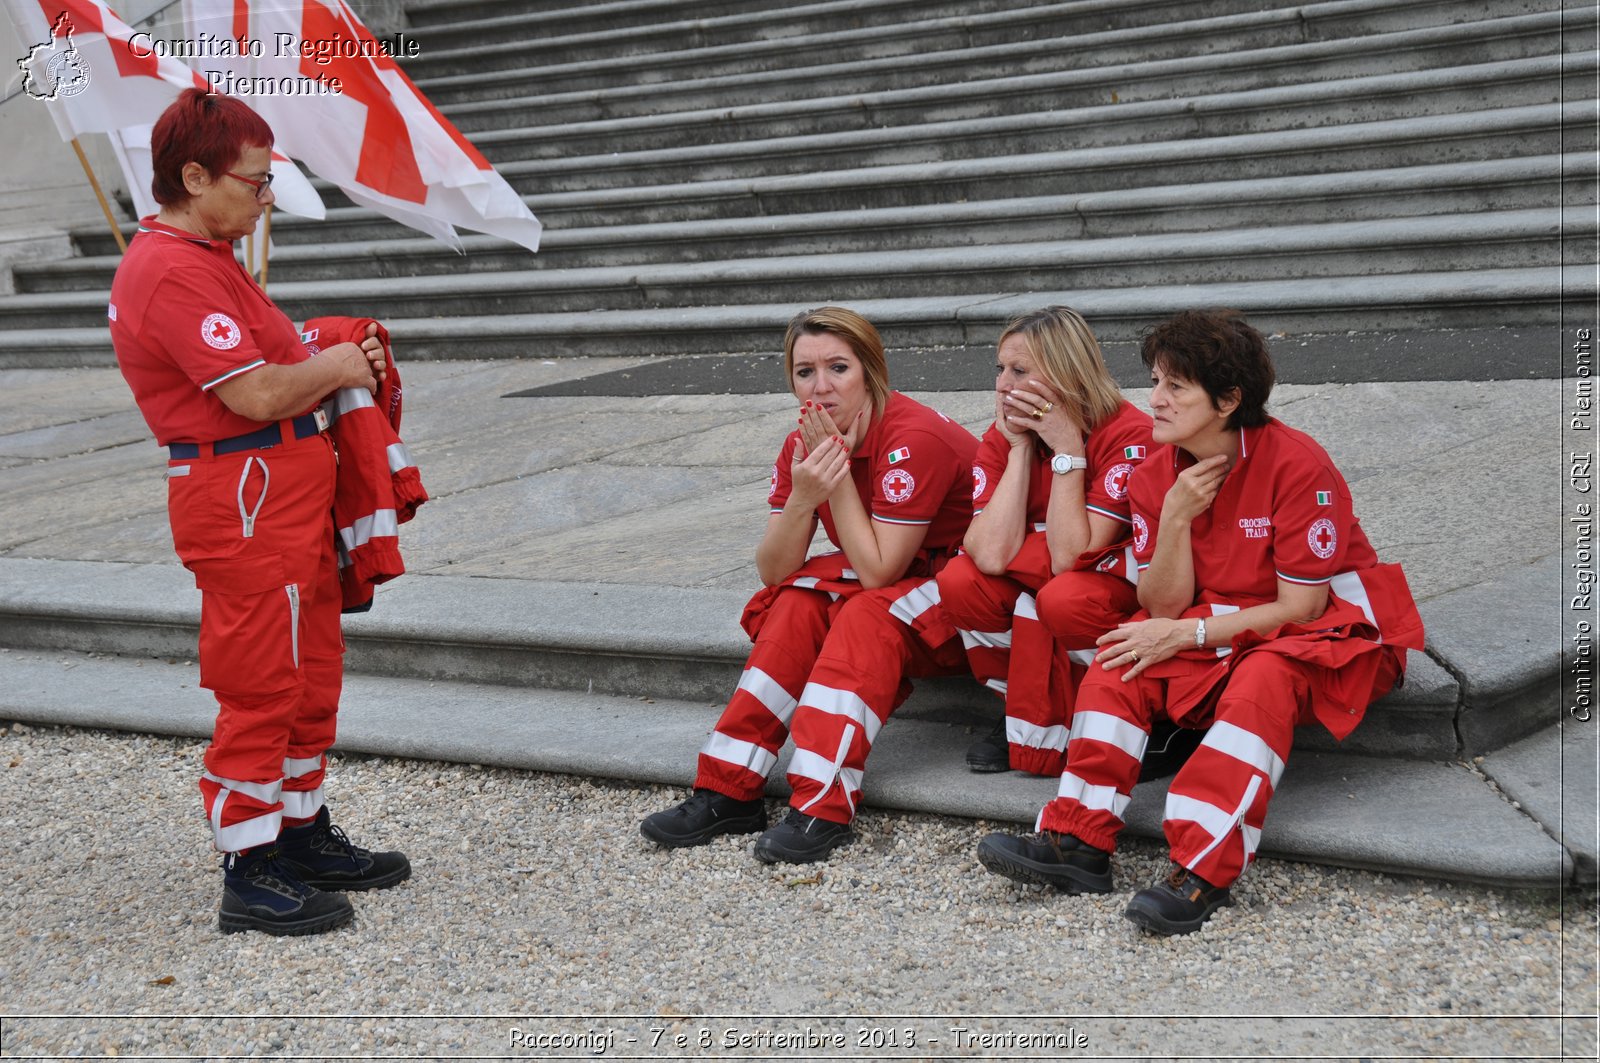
1284, 512
185, 317
1113, 449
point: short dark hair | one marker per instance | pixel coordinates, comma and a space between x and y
1219, 350
203, 127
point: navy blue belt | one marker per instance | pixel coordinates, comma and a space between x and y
273, 434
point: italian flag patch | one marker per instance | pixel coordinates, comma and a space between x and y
1136, 453
1324, 498
899, 455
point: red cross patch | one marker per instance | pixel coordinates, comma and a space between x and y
1323, 538
1116, 480
219, 331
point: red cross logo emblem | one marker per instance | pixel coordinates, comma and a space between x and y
1323, 538
1116, 481
219, 331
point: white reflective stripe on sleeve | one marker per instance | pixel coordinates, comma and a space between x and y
348, 400
1097, 798
1241, 745
302, 804
295, 767
844, 703
1348, 585
380, 522
1214, 821
399, 457
1083, 657
739, 753
268, 793
1112, 730
766, 690
1027, 607
1023, 733
996, 685
991, 640
915, 602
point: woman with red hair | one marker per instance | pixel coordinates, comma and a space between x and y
225, 384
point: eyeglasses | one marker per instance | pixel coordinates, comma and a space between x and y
264, 183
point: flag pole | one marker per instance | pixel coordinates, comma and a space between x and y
105, 207
266, 243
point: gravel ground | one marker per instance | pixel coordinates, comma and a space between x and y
539, 924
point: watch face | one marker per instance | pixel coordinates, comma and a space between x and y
1061, 463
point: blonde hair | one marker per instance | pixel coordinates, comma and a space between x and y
858, 334
1066, 354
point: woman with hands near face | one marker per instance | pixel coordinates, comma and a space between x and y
836, 635
1262, 607
1050, 505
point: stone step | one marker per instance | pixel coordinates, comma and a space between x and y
891, 83
1456, 827
1393, 302
431, 14
1505, 184
1140, 91
800, 36
605, 640
1486, 241
1324, 106
1505, 133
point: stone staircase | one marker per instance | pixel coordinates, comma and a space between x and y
705, 169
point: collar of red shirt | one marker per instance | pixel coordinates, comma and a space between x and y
1244, 449
151, 225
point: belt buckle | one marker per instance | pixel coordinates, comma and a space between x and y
320, 416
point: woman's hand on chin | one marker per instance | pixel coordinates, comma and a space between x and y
818, 470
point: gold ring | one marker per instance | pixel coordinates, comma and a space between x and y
1135, 655
1047, 407
1036, 415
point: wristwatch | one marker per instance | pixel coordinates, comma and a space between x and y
1065, 463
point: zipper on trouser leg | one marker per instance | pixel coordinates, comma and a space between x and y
248, 519
293, 591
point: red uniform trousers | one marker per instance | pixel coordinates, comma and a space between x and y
1008, 627
256, 529
1217, 803
830, 670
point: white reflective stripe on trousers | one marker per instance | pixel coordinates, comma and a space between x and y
1215, 821
769, 692
1027, 607
997, 685
1112, 730
1096, 798
915, 602
1083, 657
739, 753
295, 767
302, 804
1243, 746
1023, 733
257, 830
815, 766
989, 640
844, 703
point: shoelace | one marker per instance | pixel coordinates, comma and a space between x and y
343, 841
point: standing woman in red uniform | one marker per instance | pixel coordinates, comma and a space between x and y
222, 379
1050, 506
1264, 607
838, 635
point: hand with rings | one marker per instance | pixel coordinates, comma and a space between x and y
1033, 408
1136, 645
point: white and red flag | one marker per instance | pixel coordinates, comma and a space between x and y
377, 137
96, 74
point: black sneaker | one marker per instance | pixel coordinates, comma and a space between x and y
1168, 749
801, 839
320, 855
259, 893
1048, 859
992, 752
1180, 905
702, 817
